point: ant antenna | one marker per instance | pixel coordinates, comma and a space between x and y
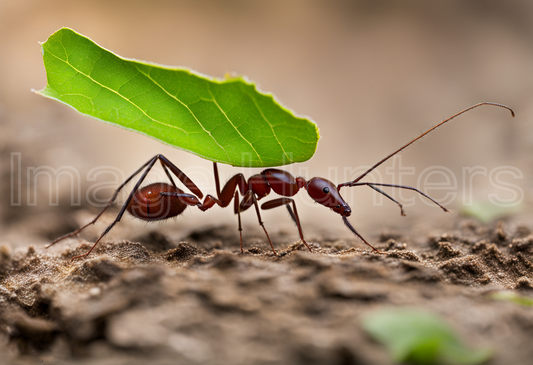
420, 136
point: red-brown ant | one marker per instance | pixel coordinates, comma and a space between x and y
161, 200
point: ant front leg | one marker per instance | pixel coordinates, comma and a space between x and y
294, 215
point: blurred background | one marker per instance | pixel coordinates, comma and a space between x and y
371, 74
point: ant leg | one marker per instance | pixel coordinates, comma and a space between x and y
148, 165
237, 181
247, 200
348, 224
404, 187
229, 191
209, 201
217, 179
237, 210
224, 198
235, 184
180, 175
168, 175
98, 240
291, 213
192, 200
294, 215
126, 203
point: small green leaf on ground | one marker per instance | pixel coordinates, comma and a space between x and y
486, 211
417, 337
512, 297
227, 121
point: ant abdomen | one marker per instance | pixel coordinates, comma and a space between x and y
149, 204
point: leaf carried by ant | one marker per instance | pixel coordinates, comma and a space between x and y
222, 120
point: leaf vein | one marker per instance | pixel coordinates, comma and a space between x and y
271, 128
186, 106
233, 125
117, 93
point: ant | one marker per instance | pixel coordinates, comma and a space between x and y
160, 201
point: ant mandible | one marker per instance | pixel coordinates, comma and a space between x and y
160, 201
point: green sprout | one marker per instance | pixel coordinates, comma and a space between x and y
417, 337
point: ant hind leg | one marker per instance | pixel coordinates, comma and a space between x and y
148, 165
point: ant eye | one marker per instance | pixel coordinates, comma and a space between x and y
338, 206
325, 190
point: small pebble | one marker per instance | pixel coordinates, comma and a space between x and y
95, 291
5, 251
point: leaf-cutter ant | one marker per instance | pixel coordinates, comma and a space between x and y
160, 201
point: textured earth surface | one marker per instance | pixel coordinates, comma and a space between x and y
371, 74
201, 301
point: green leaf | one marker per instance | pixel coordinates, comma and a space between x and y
512, 297
416, 337
486, 211
226, 121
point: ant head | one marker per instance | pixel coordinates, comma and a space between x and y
325, 192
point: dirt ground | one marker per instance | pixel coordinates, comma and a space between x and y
372, 74
201, 301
